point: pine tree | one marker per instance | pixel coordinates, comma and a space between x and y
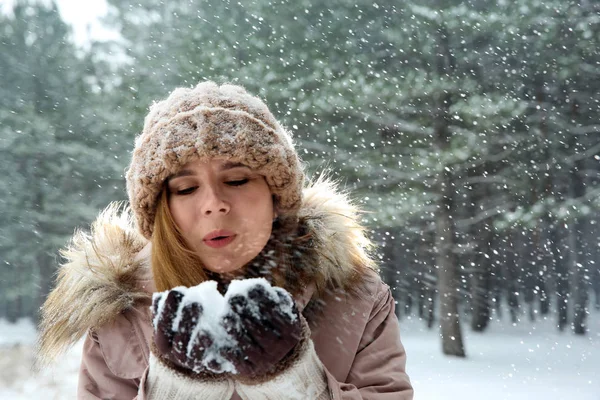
53, 153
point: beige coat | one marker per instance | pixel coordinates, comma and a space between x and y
104, 291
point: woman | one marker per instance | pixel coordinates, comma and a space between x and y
237, 281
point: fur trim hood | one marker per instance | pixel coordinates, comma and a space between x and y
100, 276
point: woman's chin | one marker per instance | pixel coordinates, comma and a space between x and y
225, 268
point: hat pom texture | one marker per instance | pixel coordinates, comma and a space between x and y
205, 122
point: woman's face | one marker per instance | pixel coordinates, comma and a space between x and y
224, 211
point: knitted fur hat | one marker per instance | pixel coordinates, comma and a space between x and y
205, 122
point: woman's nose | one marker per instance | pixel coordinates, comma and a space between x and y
214, 202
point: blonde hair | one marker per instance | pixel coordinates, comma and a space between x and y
173, 263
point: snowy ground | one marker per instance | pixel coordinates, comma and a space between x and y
523, 362
526, 361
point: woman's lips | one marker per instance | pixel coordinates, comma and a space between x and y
219, 238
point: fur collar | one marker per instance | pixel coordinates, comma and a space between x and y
101, 275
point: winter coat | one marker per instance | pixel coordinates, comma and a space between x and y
104, 292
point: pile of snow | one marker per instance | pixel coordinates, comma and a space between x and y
523, 362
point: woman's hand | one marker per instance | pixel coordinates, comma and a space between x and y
250, 332
183, 334
265, 324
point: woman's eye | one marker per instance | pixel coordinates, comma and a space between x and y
237, 182
186, 190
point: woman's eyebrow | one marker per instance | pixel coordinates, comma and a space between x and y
183, 172
229, 165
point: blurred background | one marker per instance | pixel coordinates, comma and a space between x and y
469, 131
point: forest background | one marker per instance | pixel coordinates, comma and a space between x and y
469, 130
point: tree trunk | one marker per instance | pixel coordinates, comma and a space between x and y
579, 286
595, 268
597, 290
596, 286
511, 278
452, 343
481, 281
561, 273
544, 181
530, 276
426, 282
542, 269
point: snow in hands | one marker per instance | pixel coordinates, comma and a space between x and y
246, 332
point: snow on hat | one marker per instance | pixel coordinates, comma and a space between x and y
205, 122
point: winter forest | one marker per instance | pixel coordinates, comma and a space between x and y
468, 131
